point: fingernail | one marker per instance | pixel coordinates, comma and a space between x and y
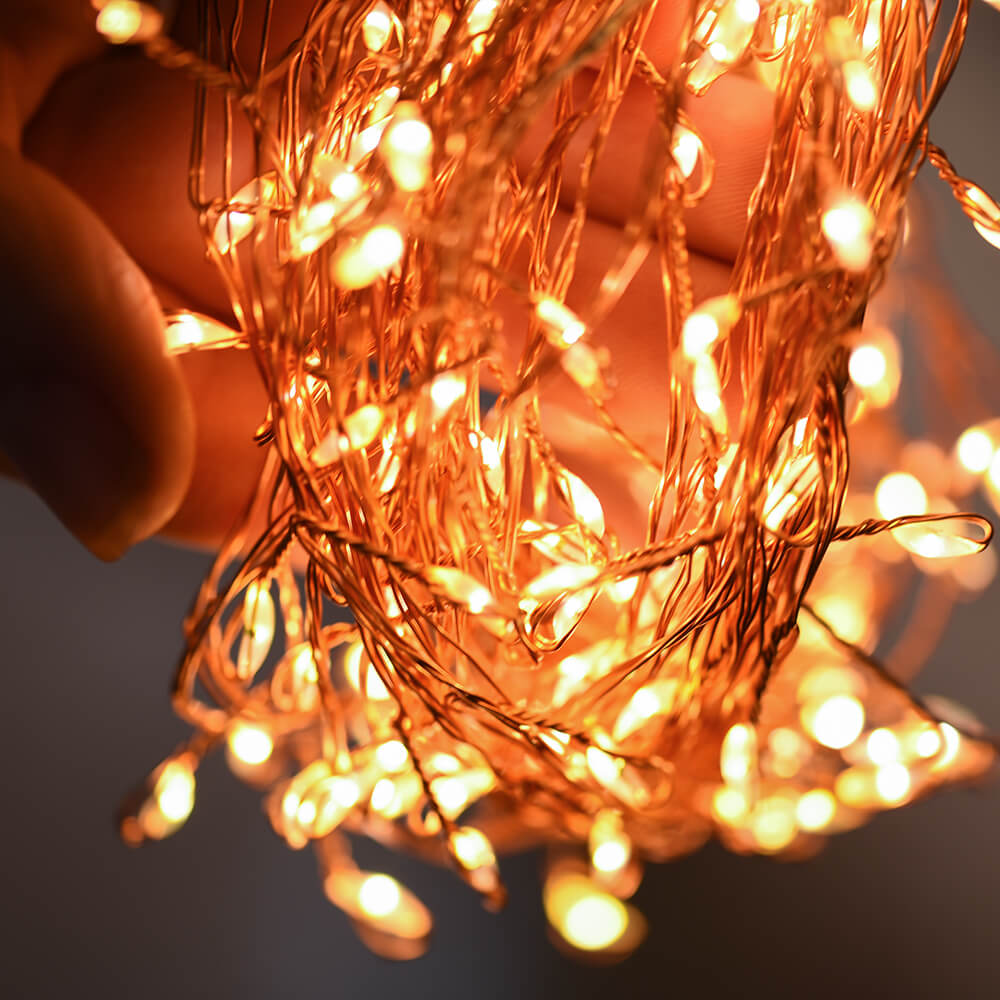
81, 459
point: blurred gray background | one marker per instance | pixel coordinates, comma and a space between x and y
908, 906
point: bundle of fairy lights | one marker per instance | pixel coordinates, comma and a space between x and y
429, 629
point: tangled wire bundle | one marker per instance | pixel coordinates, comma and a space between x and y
474, 606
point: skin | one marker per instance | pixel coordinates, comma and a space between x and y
122, 441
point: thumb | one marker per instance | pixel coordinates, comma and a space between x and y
94, 415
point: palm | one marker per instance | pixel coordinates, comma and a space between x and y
116, 132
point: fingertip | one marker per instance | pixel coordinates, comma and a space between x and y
94, 415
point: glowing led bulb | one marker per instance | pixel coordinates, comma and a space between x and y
653, 700
867, 366
848, 226
474, 853
362, 262
975, 449
390, 919
730, 805
460, 588
236, 224
773, 823
708, 391
248, 743
445, 391
685, 147
123, 21
713, 319
738, 755
899, 494
174, 792
610, 846
862, 91
565, 577
835, 722
258, 629
882, 746
892, 782
392, 756
377, 27
407, 146
990, 210
605, 767
586, 917
560, 322
583, 502
371, 685
482, 16
815, 809
186, 331
360, 429
379, 895
872, 33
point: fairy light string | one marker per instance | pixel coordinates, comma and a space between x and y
431, 629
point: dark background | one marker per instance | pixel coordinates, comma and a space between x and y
908, 906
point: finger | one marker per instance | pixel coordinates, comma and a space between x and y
735, 121
127, 158
230, 404
117, 131
93, 414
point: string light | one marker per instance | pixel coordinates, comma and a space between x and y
562, 627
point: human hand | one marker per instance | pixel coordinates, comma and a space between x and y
123, 441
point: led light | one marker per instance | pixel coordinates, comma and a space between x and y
975, 449
482, 16
559, 321
377, 26
583, 502
712, 320
407, 146
392, 756
685, 148
990, 210
586, 917
892, 782
747, 10
354, 659
124, 21
899, 495
610, 846
379, 895
461, 588
730, 805
474, 853
773, 824
649, 702
883, 746
861, 89
835, 722
867, 366
249, 743
258, 629
174, 792
738, 756
848, 226
360, 263
815, 809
